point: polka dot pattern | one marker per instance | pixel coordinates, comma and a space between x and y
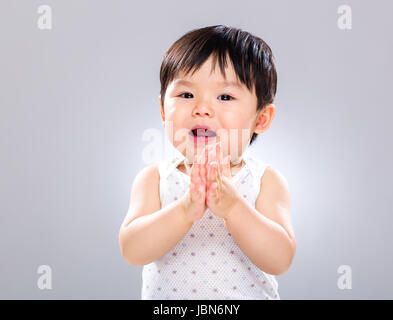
207, 263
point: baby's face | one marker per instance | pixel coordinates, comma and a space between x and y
202, 109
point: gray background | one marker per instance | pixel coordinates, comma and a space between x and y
76, 99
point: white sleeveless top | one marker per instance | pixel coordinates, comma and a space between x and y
207, 263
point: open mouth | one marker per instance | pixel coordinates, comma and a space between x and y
202, 133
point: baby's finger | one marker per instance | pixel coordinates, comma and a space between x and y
218, 152
194, 195
194, 171
206, 153
212, 173
202, 174
211, 153
219, 174
197, 185
213, 192
201, 156
226, 167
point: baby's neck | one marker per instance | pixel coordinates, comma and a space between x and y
235, 168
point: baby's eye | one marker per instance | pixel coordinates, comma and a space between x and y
185, 93
228, 97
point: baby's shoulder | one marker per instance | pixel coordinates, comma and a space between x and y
265, 172
148, 175
272, 179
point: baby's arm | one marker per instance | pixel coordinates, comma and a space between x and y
148, 231
265, 233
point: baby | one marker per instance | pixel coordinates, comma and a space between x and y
212, 222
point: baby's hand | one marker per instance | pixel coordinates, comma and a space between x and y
221, 194
194, 201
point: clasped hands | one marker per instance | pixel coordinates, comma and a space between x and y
211, 185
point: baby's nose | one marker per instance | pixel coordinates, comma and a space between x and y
203, 111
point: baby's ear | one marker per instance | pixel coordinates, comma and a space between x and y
161, 110
264, 118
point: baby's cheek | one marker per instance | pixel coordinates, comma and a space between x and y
175, 131
234, 141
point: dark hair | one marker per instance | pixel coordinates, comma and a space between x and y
252, 59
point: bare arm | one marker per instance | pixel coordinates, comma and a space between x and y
265, 233
148, 231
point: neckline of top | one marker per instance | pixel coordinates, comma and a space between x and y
234, 177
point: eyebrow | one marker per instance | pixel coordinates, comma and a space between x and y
221, 83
